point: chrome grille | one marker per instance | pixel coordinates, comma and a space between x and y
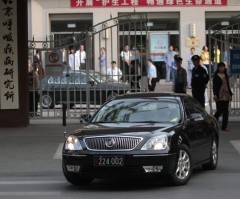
113, 143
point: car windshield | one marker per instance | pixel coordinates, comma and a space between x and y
139, 111
75, 77
97, 76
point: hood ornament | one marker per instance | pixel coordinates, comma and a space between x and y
110, 142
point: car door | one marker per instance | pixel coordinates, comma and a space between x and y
80, 85
198, 130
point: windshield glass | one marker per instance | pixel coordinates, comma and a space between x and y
97, 76
139, 111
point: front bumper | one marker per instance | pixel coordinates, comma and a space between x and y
133, 165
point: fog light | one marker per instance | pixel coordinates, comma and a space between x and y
153, 169
73, 168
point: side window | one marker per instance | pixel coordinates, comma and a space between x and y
51, 80
72, 78
83, 79
189, 107
193, 106
63, 80
56, 80
198, 107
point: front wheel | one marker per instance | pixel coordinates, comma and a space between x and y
47, 101
183, 171
212, 164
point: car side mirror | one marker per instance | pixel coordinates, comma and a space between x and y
196, 117
85, 118
91, 83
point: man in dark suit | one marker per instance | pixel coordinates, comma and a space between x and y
200, 79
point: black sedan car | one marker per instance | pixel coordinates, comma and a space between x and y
55, 89
143, 135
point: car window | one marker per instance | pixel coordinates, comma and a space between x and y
51, 80
97, 77
80, 78
54, 80
137, 110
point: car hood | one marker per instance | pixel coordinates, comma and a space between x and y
125, 129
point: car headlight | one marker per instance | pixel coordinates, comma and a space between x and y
156, 143
72, 143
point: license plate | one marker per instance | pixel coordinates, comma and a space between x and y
108, 161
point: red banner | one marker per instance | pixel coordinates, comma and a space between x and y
145, 3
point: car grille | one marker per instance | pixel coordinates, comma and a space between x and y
115, 143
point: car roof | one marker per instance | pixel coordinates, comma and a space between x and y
82, 71
151, 95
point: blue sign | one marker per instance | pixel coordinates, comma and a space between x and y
158, 46
235, 61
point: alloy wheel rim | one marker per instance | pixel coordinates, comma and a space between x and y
46, 101
214, 152
183, 166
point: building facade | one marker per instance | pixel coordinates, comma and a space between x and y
186, 22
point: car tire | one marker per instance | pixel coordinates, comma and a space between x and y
47, 101
75, 178
183, 170
212, 164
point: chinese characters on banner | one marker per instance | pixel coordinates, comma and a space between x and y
9, 98
146, 3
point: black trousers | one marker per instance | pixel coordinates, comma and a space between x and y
198, 94
125, 68
222, 109
153, 84
33, 101
179, 88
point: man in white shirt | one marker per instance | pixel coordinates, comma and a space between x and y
64, 57
72, 60
126, 58
81, 58
114, 73
152, 75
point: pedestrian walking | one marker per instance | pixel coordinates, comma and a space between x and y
64, 57
169, 59
200, 79
103, 61
190, 66
174, 66
205, 58
37, 57
33, 86
152, 75
81, 58
222, 94
72, 60
125, 64
180, 78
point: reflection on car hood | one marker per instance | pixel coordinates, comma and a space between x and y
136, 129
